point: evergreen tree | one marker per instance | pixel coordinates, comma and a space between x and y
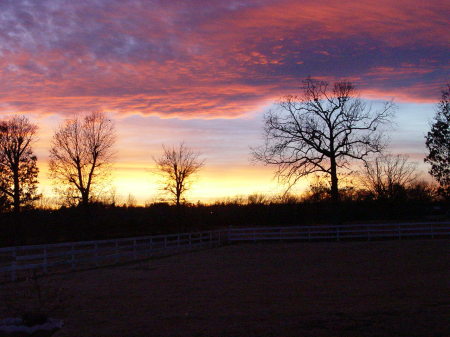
438, 144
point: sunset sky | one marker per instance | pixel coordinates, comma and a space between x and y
204, 72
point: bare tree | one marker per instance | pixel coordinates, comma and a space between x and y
131, 201
388, 175
177, 166
258, 199
81, 155
320, 132
18, 167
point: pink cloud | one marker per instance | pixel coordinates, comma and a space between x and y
223, 59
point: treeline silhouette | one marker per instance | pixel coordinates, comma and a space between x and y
100, 221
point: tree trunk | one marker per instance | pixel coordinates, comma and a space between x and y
178, 198
85, 198
335, 197
16, 189
334, 181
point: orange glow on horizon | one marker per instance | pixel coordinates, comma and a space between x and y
210, 185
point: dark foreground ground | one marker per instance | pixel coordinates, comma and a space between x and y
391, 288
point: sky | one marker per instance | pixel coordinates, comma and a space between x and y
205, 72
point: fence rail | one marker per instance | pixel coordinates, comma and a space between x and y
343, 232
16, 262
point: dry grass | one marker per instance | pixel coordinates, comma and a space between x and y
391, 288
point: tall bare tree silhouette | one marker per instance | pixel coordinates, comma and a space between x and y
177, 166
321, 131
18, 164
81, 155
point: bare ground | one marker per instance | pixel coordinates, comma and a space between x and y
390, 288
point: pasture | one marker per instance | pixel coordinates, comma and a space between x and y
380, 288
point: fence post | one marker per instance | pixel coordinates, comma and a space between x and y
72, 257
368, 233
178, 242
337, 233
399, 233
190, 241
432, 231
14, 265
134, 250
165, 242
45, 260
210, 239
309, 233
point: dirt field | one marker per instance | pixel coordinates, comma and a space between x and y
392, 288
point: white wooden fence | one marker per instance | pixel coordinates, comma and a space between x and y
342, 232
17, 262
